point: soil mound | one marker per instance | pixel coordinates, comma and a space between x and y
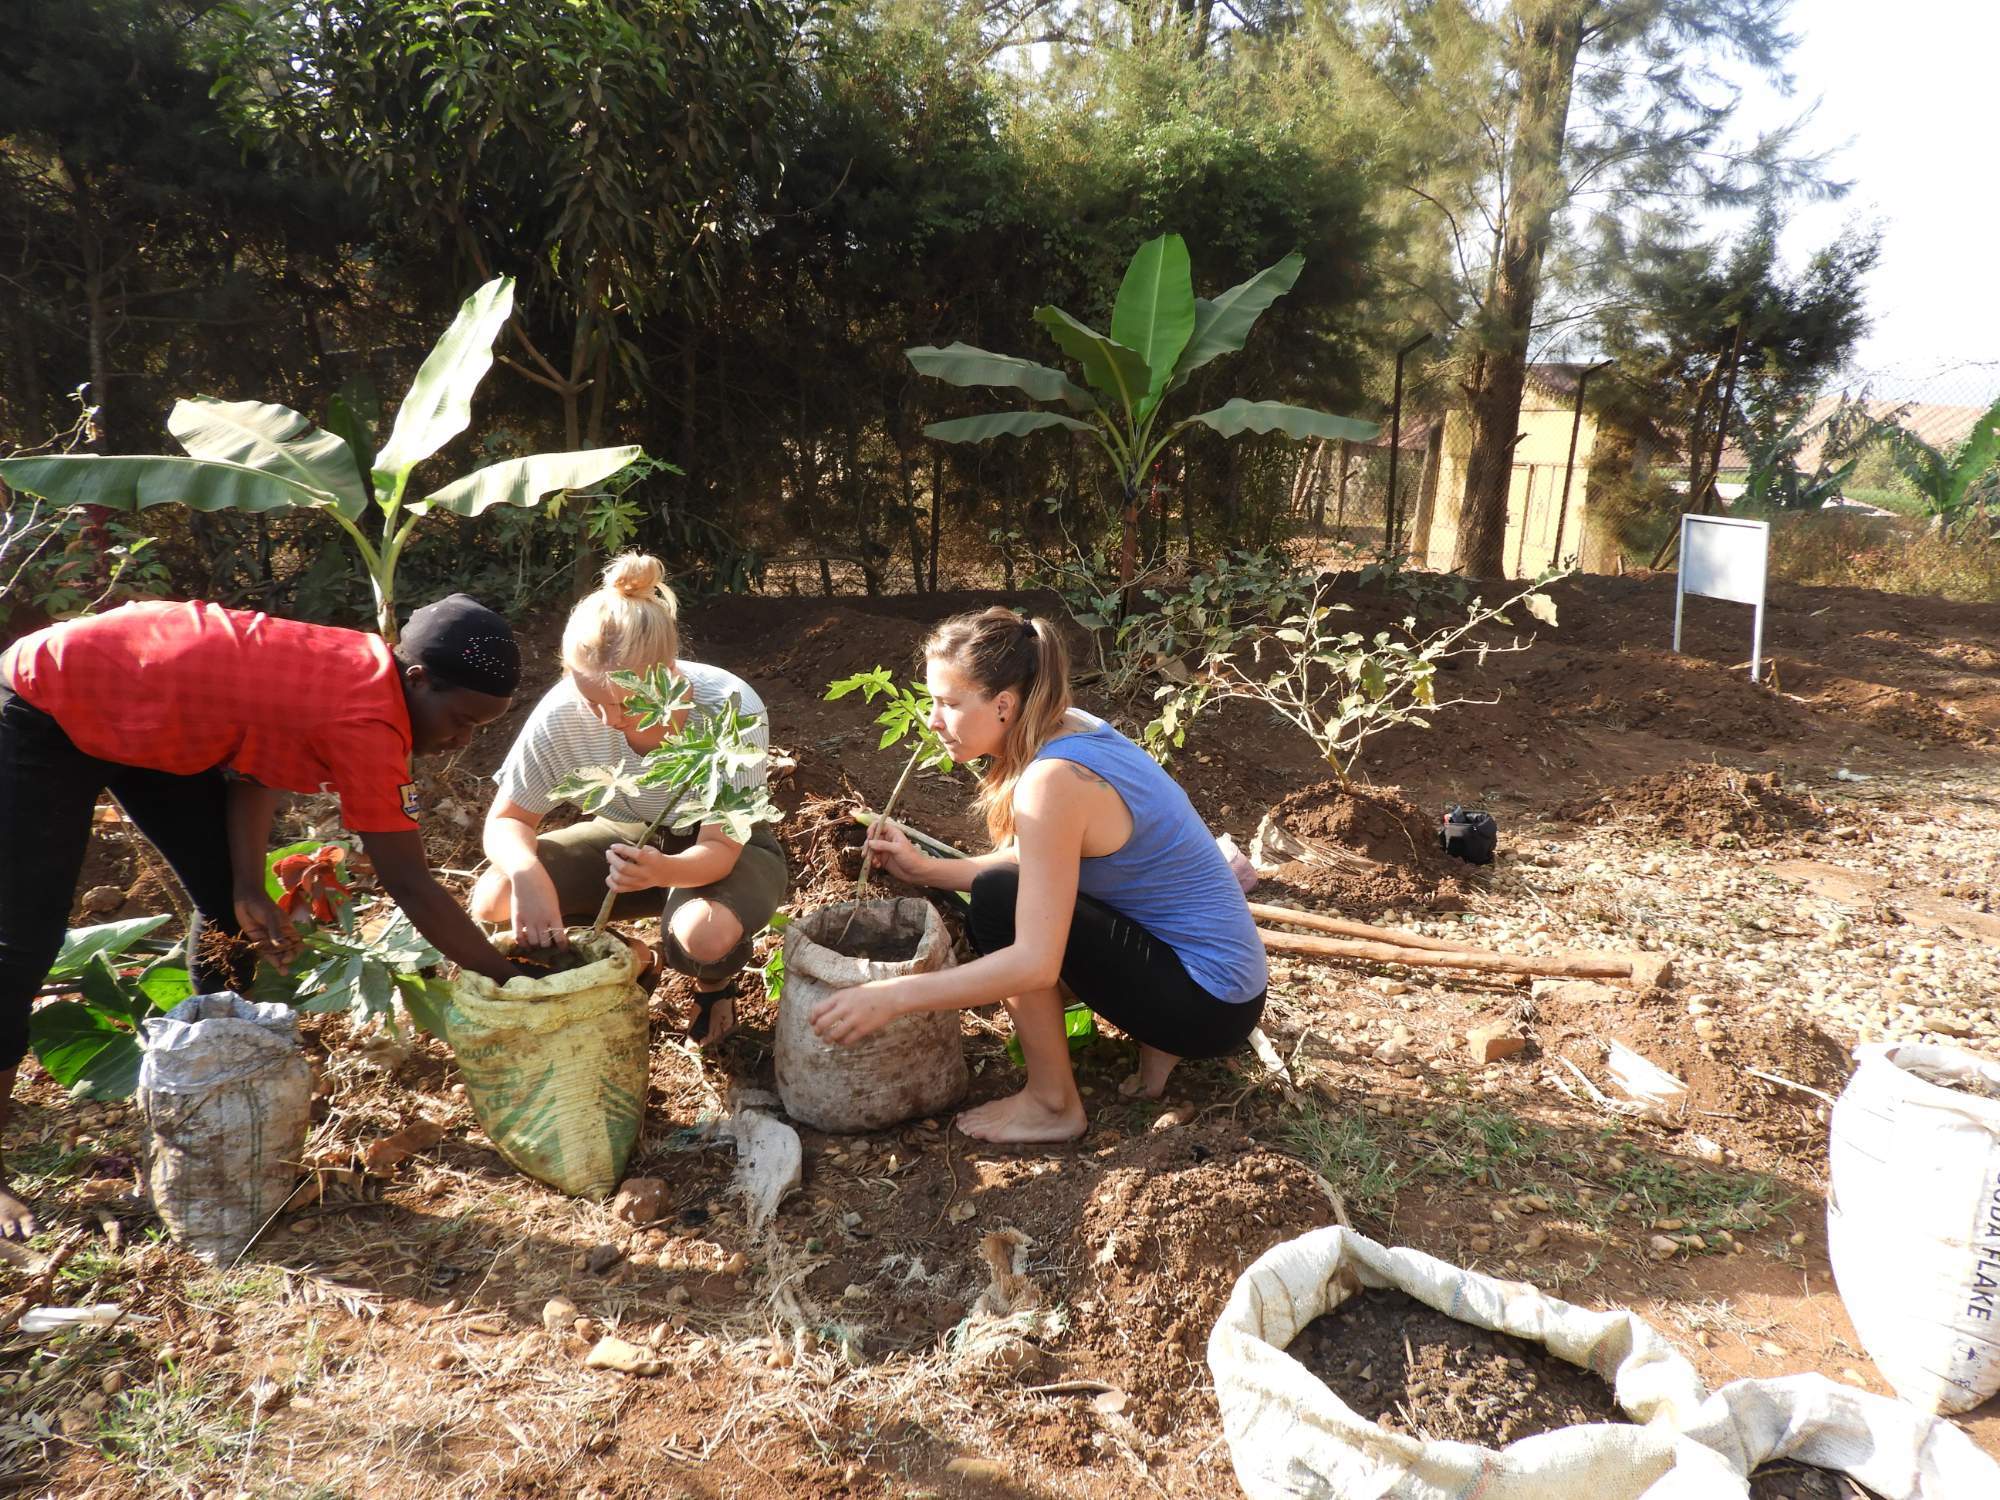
1411, 1369
1774, 1127
1365, 850
1674, 697
1165, 1234
1704, 802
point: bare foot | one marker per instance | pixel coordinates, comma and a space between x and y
1151, 1080
17, 1220
1019, 1120
721, 1019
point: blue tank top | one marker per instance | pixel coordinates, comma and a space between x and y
1169, 877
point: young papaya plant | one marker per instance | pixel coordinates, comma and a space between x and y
348, 962
257, 456
905, 715
698, 764
90, 1044
1161, 333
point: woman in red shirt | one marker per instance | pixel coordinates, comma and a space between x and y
196, 718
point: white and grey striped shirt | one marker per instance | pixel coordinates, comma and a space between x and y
563, 735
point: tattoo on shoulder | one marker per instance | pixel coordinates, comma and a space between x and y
1084, 773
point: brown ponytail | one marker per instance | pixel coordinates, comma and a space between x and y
997, 650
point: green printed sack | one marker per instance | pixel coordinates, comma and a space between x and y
556, 1068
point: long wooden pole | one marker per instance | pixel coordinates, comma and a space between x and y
1341, 927
1574, 966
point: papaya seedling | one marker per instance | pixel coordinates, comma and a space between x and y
699, 764
906, 714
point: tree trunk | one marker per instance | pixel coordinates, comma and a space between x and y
1547, 68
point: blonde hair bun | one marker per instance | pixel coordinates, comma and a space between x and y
629, 624
635, 574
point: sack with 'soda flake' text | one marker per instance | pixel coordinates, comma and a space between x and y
1913, 1219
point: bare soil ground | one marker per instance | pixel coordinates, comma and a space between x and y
1817, 854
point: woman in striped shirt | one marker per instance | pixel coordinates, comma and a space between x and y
711, 894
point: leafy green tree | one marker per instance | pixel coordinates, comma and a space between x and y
613, 149
1161, 333
1526, 124
249, 455
1717, 333
136, 238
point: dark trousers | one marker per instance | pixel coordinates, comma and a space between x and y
48, 789
1122, 972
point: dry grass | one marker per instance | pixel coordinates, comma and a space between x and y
1898, 557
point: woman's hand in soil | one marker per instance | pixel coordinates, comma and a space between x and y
267, 928
537, 920
636, 869
890, 849
852, 1015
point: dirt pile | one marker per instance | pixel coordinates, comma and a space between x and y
1369, 849
1674, 697
1413, 1370
1703, 804
1162, 1235
1770, 1124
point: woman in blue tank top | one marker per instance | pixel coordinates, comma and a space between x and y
1102, 877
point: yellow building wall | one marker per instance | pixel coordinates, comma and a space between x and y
1534, 494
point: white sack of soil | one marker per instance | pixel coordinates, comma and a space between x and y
1895, 1450
227, 1098
914, 1066
1913, 1219
555, 1068
1291, 1438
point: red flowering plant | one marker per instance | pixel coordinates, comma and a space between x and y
355, 962
313, 881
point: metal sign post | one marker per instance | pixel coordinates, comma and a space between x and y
1723, 558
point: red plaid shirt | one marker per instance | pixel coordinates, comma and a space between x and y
183, 688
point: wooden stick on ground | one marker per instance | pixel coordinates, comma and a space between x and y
1568, 966
1340, 927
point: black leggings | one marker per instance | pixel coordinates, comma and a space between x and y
48, 789
1122, 972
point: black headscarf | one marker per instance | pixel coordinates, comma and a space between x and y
462, 643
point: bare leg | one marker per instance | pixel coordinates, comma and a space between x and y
17, 1220
707, 930
1049, 1108
1151, 1080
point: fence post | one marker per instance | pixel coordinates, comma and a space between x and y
1390, 517
1569, 466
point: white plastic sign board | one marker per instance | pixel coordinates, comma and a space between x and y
1723, 558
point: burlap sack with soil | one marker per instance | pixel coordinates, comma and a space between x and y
555, 1068
913, 1066
227, 1099
1292, 1437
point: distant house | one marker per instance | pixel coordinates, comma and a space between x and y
1545, 517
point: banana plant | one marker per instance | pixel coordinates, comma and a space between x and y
1161, 333
258, 456
1950, 483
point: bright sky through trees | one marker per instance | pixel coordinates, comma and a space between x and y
1906, 91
